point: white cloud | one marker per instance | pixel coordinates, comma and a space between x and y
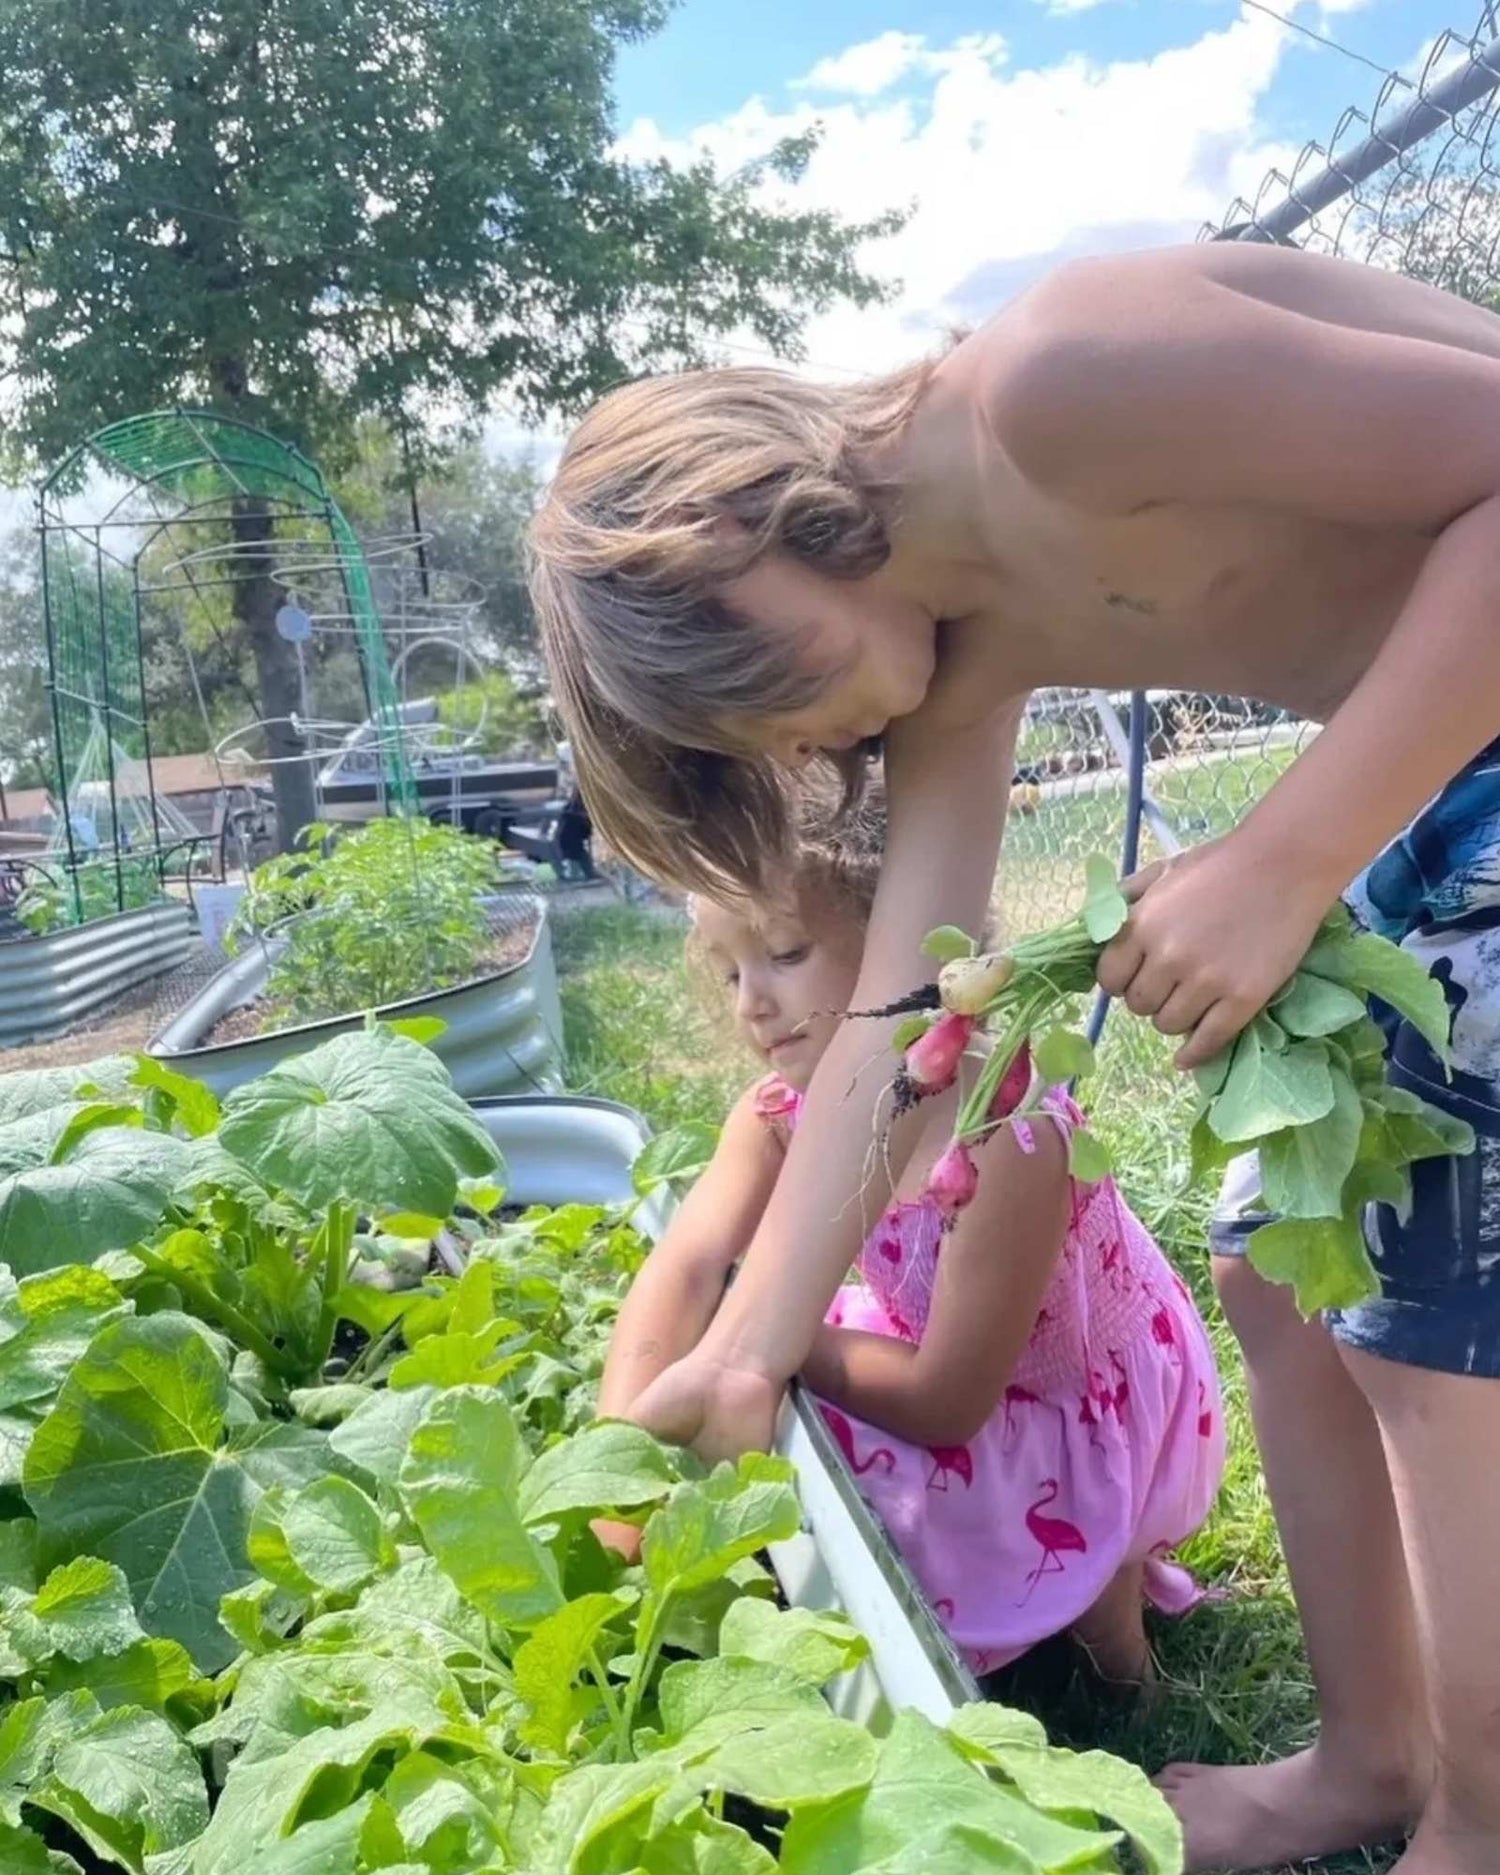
1007, 169
876, 65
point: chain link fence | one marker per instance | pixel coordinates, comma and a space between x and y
1410, 184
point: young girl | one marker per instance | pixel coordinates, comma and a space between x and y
1232, 468
1022, 1387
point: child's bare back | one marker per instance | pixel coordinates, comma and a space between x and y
1032, 459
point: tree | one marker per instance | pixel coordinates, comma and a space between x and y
310, 212
25, 725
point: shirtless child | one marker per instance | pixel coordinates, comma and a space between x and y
1235, 469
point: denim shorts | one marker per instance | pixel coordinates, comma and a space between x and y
1436, 892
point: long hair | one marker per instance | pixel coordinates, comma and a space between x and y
668, 490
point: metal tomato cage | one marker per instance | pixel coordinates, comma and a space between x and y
167, 514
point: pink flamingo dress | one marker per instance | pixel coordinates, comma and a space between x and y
1107, 1446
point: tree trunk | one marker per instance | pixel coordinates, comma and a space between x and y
257, 598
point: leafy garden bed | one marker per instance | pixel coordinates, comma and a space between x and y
295, 1562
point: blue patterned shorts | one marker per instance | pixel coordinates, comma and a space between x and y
1436, 892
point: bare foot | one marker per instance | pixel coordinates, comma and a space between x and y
1263, 1816
1439, 1850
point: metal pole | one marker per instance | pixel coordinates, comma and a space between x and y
1342, 174
140, 665
109, 738
57, 735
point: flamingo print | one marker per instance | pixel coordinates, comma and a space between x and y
1205, 1414
1120, 1398
1055, 1537
946, 1459
843, 1432
1164, 1333
1017, 1396
943, 1609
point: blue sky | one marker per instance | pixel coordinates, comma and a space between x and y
1019, 132
710, 59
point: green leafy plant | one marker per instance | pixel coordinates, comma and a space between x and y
97, 888
297, 1568
368, 918
1305, 1084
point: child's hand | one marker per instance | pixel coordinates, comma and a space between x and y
623, 1538
719, 1410
1213, 935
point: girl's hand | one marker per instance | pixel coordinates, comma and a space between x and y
1213, 935
718, 1409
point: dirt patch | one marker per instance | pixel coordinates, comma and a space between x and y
122, 1027
506, 948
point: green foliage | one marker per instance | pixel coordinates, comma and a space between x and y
95, 888
392, 910
424, 1662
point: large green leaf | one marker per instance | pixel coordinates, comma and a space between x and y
376, 1434
551, 1658
1067, 1783
111, 1191
137, 1464
815, 1647
674, 1158
369, 1118
1324, 1259
82, 1610
611, 1466
1313, 1006
1270, 1086
704, 1528
923, 1786
460, 1480
1303, 1170
1376, 967
32, 1090
129, 1786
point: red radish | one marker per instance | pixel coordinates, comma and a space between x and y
953, 1181
932, 1060
1015, 1086
968, 985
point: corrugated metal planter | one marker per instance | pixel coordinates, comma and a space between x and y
503, 1035
49, 983
562, 1151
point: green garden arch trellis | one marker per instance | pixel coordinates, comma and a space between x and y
175, 473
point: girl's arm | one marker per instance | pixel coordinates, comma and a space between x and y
947, 785
993, 1273
681, 1283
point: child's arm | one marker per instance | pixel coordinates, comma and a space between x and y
1201, 392
681, 1283
993, 1272
947, 783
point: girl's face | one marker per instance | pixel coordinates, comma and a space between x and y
874, 652
788, 978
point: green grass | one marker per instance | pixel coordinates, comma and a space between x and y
1235, 1679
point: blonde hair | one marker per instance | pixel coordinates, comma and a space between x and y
669, 489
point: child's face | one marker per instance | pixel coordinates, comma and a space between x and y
788, 980
874, 651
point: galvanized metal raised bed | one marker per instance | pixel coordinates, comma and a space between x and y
562, 1151
503, 1033
47, 984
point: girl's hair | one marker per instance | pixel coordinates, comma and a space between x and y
669, 489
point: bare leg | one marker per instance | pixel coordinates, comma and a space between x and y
1365, 1779
1113, 1632
1442, 1436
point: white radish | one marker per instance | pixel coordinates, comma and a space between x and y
968, 985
